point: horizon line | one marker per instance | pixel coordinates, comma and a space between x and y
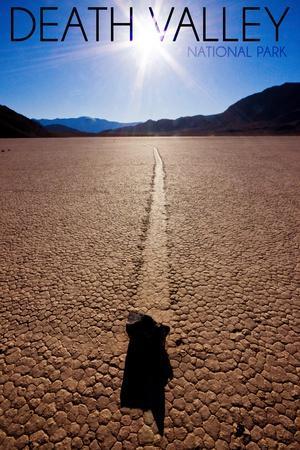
150, 119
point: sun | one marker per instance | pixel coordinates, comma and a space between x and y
151, 56
147, 44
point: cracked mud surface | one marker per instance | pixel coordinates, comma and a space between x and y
78, 224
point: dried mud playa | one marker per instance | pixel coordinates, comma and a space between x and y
80, 221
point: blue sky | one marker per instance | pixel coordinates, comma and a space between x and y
125, 82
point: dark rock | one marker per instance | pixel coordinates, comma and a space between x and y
147, 367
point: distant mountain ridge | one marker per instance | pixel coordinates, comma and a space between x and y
85, 124
63, 131
274, 110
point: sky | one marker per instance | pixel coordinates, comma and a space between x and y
144, 79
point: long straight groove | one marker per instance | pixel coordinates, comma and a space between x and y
153, 296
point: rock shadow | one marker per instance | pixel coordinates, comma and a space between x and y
147, 367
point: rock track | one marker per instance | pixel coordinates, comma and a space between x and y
153, 296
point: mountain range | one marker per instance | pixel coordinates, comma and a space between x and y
84, 124
275, 110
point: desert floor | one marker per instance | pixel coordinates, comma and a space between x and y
199, 232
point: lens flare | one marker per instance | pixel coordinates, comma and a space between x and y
147, 44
